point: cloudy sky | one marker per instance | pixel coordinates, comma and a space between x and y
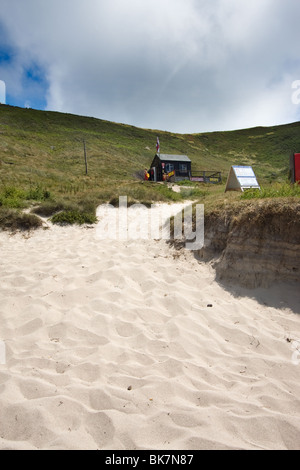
177, 65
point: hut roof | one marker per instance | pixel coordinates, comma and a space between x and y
173, 158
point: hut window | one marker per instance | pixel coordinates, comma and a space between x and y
183, 167
169, 167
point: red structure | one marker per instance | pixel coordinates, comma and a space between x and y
295, 168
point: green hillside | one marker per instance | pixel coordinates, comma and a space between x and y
41, 156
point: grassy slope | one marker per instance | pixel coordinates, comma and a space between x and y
45, 149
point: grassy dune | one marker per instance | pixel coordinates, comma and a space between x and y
42, 162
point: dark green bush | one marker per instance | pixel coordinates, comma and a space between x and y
73, 217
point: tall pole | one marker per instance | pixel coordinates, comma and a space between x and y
85, 158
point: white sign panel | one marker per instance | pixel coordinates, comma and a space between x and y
244, 171
248, 182
240, 178
246, 177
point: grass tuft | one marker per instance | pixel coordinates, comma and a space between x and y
274, 191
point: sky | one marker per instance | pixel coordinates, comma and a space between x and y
183, 66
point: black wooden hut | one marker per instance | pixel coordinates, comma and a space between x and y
177, 166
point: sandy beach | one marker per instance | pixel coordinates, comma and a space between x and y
134, 345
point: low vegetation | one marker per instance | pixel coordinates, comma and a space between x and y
73, 217
13, 220
42, 166
273, 191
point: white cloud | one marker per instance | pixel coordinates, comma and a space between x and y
180, 65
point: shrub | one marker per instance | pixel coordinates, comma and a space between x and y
13, 220
73, 217
12, 197
37, 194
16, 198
48, 209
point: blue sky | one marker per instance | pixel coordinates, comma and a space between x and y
33, 89
177, 65
25, 80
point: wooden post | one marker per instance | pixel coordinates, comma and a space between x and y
85, 158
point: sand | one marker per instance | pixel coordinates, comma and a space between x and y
132, 345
